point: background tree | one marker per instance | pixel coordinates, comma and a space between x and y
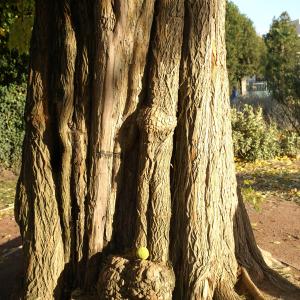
104, 171
283, 66
15, 30
245, 49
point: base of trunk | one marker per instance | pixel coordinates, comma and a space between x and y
123, 278
128, 278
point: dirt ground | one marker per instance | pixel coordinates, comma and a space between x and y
11, 258
276, 227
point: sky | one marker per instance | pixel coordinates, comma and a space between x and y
261, 12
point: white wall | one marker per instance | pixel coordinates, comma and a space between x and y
297, 25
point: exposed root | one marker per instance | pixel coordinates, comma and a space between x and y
122, 279
251, 258
248, 286
224, 291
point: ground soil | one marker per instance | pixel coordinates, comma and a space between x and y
276, 227
11, 258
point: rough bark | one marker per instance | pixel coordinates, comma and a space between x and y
157, 122
37, 207
118, 28
123, 278
204, 169
109, 81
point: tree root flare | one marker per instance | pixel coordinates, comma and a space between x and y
121, 279
247, 286
225, 292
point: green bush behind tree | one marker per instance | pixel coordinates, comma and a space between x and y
15, 28
255, 138
11, 124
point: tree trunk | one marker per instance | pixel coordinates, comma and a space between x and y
204, 182
103, 171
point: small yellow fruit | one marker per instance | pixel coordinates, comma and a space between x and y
142, 253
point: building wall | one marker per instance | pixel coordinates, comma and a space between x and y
297, 25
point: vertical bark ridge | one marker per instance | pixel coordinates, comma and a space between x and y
127, 136
116, 26
63, 109
129, 67
80, 128
157, 123
204, 187
100, 138
36, 205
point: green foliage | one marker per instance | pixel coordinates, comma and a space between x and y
290, 144
20, 34
16, 23
13, 67
12, 100
283, 66
278, 177
251, 196
15, 27
245, 49
7, 195
20, 29
253, 138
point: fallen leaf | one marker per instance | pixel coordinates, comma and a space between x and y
276, 242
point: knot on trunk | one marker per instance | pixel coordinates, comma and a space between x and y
155, 123
122, 279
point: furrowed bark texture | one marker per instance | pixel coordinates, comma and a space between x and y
157, 122
62, 92
118, 29
79, 129
37, 208
109, 82
205, 186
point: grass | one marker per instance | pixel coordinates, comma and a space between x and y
260, 180
7, 195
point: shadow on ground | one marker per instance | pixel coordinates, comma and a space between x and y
285, 185
11, 268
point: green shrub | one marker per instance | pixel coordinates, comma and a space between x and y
253, 138
290, 144
12, 101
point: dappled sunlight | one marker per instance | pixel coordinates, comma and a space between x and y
278, 177
7, 195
